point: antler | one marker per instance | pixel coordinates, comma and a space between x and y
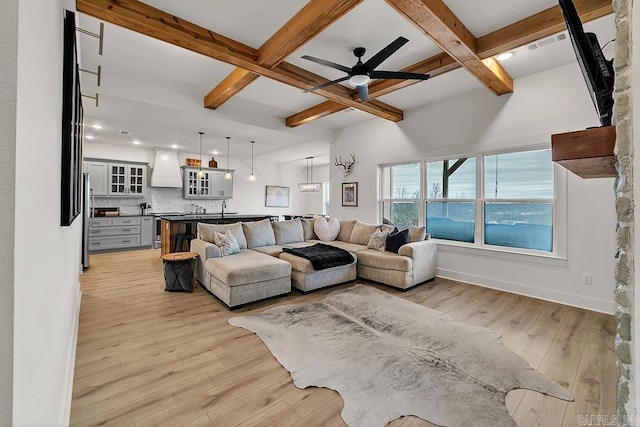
347, 165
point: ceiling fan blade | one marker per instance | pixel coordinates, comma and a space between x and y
327, 63
398, 75
363, 91
386, 52
325, 84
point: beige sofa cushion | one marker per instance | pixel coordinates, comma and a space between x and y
361, 233
417, 234
247, 267
206, 232
307, 227
349, 247
259, 233
346, 227
289, 231
385, 260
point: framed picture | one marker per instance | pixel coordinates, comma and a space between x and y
349, 194
277, 197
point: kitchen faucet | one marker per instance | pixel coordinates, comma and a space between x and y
224, 205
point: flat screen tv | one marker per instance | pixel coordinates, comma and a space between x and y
596, 69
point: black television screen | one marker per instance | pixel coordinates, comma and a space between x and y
596, 69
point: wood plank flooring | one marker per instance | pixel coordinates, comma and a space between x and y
148, 357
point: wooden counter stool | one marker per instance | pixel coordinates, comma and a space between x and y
178, 271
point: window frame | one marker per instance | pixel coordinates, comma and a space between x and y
381, 201
556, 257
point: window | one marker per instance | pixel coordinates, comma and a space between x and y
326, 203
451, 205
505, 200
401, 194
519, 200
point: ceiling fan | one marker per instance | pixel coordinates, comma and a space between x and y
360, 74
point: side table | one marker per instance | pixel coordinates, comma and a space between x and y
178, 271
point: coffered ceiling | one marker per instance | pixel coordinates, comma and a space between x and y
170, 69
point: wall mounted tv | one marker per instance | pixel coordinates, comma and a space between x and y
596, 69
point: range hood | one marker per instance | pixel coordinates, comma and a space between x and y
166, 170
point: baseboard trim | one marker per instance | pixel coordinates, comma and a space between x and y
593, 304
67, 391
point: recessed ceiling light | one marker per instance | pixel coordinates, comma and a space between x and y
96, 126
505, 56
215, 152
174, 146
136, 142
89, 136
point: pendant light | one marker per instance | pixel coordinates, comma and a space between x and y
252, 177
310, 186
228, 174
200, 173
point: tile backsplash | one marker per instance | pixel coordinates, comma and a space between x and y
161, 200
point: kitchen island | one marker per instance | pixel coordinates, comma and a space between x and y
174, 225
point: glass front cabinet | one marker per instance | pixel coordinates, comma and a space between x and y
211, 185
127, 180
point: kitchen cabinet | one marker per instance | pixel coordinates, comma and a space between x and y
117, 179
146, 231
127, 180
211, 185
120, 233
99, 173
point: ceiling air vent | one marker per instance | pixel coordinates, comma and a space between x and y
546, 42
125, 132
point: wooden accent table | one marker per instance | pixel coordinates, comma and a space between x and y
178, 271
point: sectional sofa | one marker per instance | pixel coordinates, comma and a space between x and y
262, 268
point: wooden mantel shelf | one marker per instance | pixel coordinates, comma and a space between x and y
587, 153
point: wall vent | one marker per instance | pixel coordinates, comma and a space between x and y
125, 132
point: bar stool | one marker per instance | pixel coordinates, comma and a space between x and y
182, 238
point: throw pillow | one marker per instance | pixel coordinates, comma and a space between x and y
289, 231
346, 228
417, 234
307, 227
227, 243
377, 240
326, 230
397, 239
206, 232
259, 233
361, 233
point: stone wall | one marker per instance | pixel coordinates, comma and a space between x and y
624, 274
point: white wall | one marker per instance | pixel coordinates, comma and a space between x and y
248, 197
548, 102
47, 256
8, 89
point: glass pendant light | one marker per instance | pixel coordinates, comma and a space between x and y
228, 174
310, 186
252, 177
200, 173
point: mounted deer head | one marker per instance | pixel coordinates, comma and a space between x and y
348, 165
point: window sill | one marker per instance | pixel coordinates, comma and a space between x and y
494, 252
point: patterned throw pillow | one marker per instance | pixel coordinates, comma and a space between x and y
377, 240
227, 243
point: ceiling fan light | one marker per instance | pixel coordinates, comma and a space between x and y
359, 79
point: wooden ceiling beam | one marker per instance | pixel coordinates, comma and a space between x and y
302, 27
152, 22
437, 21
525, 31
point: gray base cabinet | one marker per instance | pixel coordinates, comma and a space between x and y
120, 233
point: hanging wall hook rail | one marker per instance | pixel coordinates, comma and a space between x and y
92, 97
98, 73
99, 36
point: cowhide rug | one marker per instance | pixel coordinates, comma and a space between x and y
389, 357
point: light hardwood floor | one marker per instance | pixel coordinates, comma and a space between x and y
149, 357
